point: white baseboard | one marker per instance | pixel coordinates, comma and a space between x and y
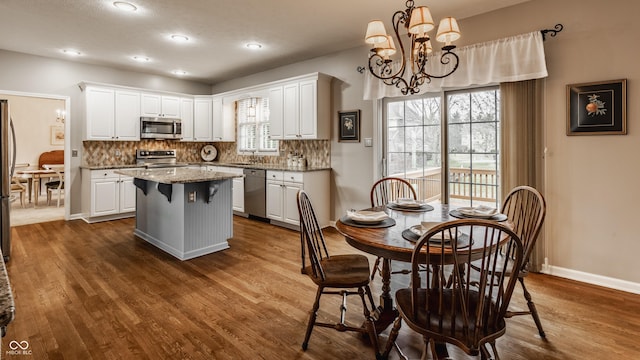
593, 279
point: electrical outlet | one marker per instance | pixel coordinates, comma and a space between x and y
118, 153
74, 152
191, 197
368, 142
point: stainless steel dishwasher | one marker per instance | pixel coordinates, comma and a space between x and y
255, 198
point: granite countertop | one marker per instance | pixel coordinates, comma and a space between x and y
179, 175
7, 306
264, 166
216, 163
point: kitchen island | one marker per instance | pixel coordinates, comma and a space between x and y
185, 212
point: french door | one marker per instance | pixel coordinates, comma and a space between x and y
447, 145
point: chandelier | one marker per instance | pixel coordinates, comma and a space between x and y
417, 22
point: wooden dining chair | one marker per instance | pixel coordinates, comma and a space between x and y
444, 306
342, 275
389, 189
384, 191
525, 208
56, 185
18, 187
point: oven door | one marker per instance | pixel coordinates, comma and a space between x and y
160, 128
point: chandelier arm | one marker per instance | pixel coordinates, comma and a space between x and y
444, 60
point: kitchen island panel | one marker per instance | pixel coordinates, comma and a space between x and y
182, 228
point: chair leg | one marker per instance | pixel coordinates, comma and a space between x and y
370, 326
393, 335
532, 308
312, 318
375, 268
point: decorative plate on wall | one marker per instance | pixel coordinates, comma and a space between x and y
208, 153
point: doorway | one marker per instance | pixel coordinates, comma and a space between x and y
40, 123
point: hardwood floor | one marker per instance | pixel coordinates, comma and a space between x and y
94, 291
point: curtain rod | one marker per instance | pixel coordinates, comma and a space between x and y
552, 32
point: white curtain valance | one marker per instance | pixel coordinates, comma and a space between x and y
515, 58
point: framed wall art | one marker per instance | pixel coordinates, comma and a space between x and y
598, 108
57, 135
349, 126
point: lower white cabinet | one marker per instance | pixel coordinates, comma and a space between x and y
107, 195
238, 185
282, 189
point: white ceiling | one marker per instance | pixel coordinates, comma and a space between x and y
289, 30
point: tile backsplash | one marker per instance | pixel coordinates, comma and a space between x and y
100, 153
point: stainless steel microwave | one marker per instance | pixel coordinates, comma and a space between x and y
160, 128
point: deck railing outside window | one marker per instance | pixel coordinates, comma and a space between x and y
463, 184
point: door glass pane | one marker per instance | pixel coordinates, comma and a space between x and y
414, 145
473, 147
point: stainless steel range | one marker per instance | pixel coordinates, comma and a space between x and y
157, 158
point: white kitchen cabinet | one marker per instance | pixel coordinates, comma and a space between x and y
223, 120
107, 195
282, 188
276, 118
155, 105
302, 109
112, 114
238, 185
127, 115
186, 114
203, 119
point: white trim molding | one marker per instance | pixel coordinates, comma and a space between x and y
593, 279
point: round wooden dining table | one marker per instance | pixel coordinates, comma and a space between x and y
389, 244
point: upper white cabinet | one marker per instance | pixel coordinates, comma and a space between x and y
302, 108
111, 114
276, 116
156, 105
203, 119
186, 114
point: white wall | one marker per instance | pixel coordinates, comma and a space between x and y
34, 74
591, 181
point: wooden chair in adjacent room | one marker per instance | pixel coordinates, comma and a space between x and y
444, 305
342, 275
525, 208
56, 185
18, 187
384, 191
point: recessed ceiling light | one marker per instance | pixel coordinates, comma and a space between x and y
253, 46
72, 52
125, 6
141, 59
179, 72
179, 38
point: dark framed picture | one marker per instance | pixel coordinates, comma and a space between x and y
598, 108
349, 126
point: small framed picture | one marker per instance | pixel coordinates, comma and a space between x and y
57, 135
598, 108
349, 126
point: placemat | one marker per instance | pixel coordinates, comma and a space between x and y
388, 222
463, 240
424, 208
459, 215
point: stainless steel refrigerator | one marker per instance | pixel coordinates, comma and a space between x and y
7, 166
